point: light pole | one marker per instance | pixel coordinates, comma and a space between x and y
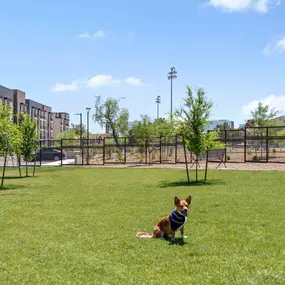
158, 101
88, 111
81, 131
171, 75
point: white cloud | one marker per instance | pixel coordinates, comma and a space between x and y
98, 34
102, 80
61, 87
261, 6
277, 102
84, 35
134, 81
268, 49
278, 46
97, 81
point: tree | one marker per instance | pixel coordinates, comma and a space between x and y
224, 126
109, 112
164, 128
262, 117
10, 136
143, 130
30, 135
147, 131
77, 128
192, 123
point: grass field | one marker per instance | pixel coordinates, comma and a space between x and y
77, 226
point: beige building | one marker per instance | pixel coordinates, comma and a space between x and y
61, 123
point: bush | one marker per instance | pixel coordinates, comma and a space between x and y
274, 151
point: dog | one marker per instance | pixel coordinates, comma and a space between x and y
167, 226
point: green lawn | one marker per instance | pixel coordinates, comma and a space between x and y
77, 226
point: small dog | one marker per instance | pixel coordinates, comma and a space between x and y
168, 225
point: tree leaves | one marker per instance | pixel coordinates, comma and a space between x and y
192, 120
30, 136
109, 112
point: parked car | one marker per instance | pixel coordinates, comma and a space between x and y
49, 154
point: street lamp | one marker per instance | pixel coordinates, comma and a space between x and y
88, 111
81, 131
171, 75
158, 101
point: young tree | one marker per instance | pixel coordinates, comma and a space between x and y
77, 129
109, 112
143, 132
30, 135
193, 120
224, 126
10, 136
262, 116
164, 128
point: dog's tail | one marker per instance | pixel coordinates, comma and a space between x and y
143, 235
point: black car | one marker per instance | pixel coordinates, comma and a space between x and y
49, 154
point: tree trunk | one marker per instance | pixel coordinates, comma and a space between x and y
3, 173
27, 172
186, 162
206, 168
34, 170
196, 168
19, 165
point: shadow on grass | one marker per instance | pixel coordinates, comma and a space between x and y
18, 177
183, 183
178, 241
11, 187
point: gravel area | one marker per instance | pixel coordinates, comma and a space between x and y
230, 166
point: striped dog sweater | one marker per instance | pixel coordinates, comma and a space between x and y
177, 220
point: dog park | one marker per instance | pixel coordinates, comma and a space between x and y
78, 221
74, 225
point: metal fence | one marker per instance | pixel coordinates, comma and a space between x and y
260, 144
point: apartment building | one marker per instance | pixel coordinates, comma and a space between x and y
61, 123
50, 124
19, 104
6, 95
44, 116
214, 123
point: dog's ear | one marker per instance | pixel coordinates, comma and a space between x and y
189, 200
176, 201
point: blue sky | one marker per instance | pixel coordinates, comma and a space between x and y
64, 53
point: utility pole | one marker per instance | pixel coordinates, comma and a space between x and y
171, 75
88, 111
81, 128
158, 101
